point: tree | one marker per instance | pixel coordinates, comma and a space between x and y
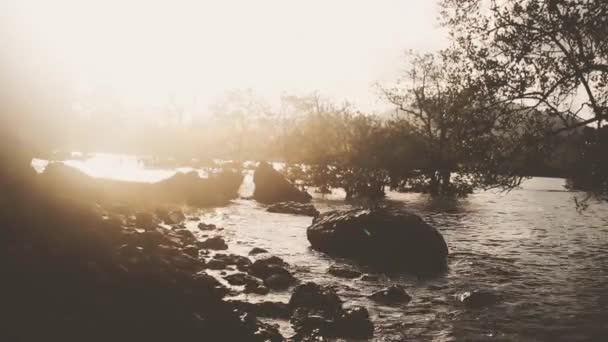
550, 55
330, 146
468, 143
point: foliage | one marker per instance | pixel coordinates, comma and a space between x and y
468, 142
550, 55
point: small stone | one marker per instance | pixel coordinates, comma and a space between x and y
216, 243
391, 295
343, 272
257, 250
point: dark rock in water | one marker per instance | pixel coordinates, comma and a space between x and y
217, 189
216, 243
256, 288
393, 294
264, 268
272, 270
242, 263
264, 309
314, 296
185, 235
191, 251
215, 264
354, 323
170, 217
272, 187
257, 250
294, 208
204, 226
318, 314
241, 279
145, 220
386, 238
343, 271
279, 281
370, 277
207, 283
478, 298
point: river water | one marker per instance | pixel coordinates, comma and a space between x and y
546, 261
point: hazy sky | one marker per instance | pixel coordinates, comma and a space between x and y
142, 51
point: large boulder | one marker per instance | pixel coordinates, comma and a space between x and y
272, 187
295, 208
387, 238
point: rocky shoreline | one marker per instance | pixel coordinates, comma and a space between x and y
78, 270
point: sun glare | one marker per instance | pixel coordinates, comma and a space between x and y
140, 53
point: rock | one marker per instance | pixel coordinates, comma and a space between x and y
216, 243
242, 263
215, 264
176, 217
204, 226
386, 238
318, 314
241, 279
279, 281
185, 235
207, 283
369, 277
191, 251
478, 298
145, 220
343, 272
264, 309
256, 288
317, 297
264, 268
257, 250
393, 294
170, 217
272, 187
354, 323
294, 208
217, 189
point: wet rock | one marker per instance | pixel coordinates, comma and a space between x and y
185, 235
257, 250
272, 187
264, 309
207, 283
170, 217
145, 220
215, 264
318, 315
369, 277
294, 208
241, 279
191, 250
393, 294
217, 189
478, 298
386, 238
204, 226
256, 288
343, 272
279, 281
354, 323
317, 297
215, 243
312, 324
242, 263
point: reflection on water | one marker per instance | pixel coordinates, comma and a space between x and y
548, 263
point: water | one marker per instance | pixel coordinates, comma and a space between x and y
547, 262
